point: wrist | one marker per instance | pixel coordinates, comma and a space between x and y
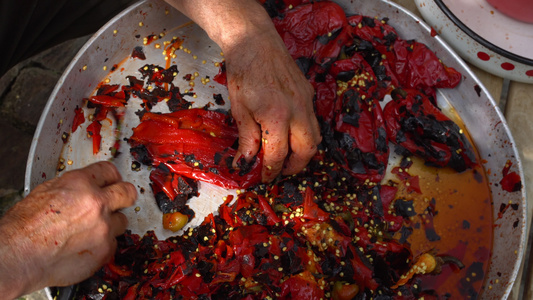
228, 23
235, 33
17, 273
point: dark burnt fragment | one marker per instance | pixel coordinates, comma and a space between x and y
329, 265
304, 64
384, 272
138, 52
274, 8
404, 208
466, 224
465, 285
176, 101
140, 153
65, 136
206, 270
157, 74
429, 228
405, 233
244, 166
368, 21
325, 39
218, 99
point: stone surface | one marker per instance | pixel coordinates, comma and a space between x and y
59, 57
13, 155
28, 96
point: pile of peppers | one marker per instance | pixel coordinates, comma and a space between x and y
326, 232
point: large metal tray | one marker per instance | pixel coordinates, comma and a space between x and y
113, 44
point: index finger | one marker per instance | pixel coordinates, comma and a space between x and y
118, 195
101, 174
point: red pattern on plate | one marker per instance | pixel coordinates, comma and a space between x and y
507, 66
483, 56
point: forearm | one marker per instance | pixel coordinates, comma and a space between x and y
227, 22
14, 281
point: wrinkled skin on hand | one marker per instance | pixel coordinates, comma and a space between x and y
271, 101
64, 230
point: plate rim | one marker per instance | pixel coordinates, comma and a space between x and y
480, 39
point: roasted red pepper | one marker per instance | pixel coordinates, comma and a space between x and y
93, 131
107, 101
319, 37
415, 124
194, 143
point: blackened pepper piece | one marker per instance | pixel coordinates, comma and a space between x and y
415, 124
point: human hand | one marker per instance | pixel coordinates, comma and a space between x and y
271, 99
272, 102
64, 230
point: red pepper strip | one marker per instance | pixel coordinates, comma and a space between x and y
160, 118
212, 122
308, 29
272, 218
93, 130
108, 101
152, 132
107, 89
414, 123
311, 209
366, 151
121, 271
79, 118
412, 183
209, 177
208, 161
132, 292
162, 181
227, 215
101, 113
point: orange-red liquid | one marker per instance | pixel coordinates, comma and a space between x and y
463, 220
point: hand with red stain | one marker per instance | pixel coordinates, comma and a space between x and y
271, 99
64, 230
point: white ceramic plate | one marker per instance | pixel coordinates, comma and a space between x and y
483, 36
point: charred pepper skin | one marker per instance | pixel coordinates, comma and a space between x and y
194, 143
415, 124
302, 235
